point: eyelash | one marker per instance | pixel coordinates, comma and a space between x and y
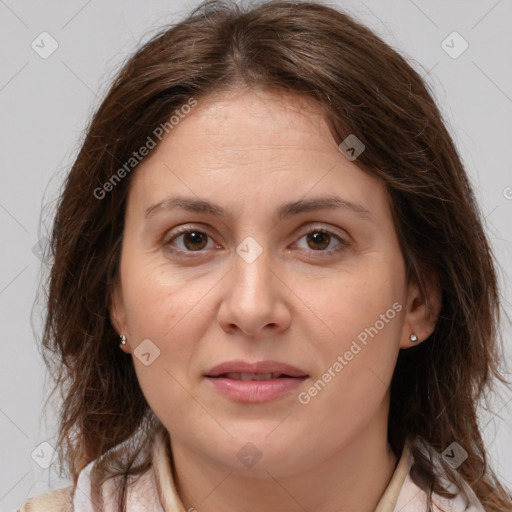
324, 253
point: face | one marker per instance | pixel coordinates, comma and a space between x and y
303, 302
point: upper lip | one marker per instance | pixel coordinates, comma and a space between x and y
240, 366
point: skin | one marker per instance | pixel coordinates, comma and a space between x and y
250, 152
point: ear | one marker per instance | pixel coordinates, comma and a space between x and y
118, 315
423, 307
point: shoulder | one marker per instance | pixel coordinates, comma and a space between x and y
141, 493
413, 498
60, 500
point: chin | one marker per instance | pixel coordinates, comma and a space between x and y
259, 451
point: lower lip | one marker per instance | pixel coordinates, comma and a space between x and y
255, 390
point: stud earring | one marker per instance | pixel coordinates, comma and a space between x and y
413, 338
123, 340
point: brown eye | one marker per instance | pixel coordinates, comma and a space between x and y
188, 240
318, 239
321, 241
194, 240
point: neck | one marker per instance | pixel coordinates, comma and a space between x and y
353, 477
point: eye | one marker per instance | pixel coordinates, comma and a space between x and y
196, 240
320, 239
192, 240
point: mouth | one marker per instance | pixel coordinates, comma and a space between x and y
255, 382
252, 376
260, 369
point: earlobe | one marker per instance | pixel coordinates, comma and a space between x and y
423, 308
118, 319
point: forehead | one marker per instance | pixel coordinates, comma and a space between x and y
254, 142
254, 122
249, 108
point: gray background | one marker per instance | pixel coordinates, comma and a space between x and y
45, 104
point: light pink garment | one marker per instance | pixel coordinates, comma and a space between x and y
402, 494
412, 498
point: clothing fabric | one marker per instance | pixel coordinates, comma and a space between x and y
155, 491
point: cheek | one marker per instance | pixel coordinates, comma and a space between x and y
168, 307
354, 300
362, 315
159, 308
166, 312
351, 388
161, 300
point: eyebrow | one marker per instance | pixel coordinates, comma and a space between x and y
286, 210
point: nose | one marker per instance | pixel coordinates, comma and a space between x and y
254, 294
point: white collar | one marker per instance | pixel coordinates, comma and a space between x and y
155, 490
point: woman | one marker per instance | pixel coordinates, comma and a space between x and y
271, 289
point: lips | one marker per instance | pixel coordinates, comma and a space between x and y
252, 376
261, 370
262, 381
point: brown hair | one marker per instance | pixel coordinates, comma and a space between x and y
365, 88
